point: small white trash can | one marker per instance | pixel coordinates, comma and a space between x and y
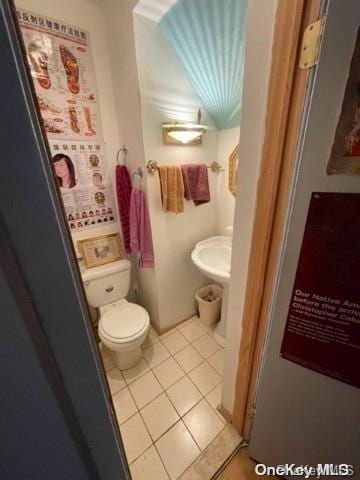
208, 301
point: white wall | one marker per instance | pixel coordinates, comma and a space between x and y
121, 44
258, 45
166, 95
228, 139
88, 14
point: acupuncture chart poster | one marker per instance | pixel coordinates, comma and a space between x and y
322, 331
89, 200
61, 64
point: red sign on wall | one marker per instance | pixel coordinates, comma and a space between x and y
322, 331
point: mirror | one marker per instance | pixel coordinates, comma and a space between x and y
233, 163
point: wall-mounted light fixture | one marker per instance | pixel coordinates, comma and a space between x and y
184, 133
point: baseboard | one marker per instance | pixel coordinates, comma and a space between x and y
161, 331
225, 413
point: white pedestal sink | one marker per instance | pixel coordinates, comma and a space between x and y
213, 258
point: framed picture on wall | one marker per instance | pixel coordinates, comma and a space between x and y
101, 250
233, 165
345, 152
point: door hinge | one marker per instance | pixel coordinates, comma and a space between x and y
310, 47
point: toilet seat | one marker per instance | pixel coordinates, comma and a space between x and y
123, 322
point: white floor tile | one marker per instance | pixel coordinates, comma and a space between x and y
203, 423
167, 333
186, 322
107, 358
205, 378
145, 389
188, 358
192, 331
174, 342
148, 467
204, 326
151, 338
184, 395
124, 405
177, 450
156, 354
159, 416
136, 372
214, 397
217, 361
135, 437
206, 346
116, 380
168, 372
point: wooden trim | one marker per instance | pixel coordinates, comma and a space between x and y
286, 96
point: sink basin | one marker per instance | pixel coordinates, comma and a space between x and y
213, 258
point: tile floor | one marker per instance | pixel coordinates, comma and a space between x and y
166, 405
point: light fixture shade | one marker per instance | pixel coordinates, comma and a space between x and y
184, 136
183, 133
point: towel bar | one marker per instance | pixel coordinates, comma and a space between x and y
152, 167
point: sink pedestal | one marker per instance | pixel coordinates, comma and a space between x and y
220, 329
213, 258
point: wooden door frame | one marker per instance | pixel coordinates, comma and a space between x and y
286, 96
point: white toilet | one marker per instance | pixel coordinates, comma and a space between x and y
123, 326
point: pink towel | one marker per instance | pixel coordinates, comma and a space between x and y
140, 229
123, 191
196, 183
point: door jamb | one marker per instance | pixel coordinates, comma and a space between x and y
286, 96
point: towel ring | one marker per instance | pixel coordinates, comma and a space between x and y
124, 150
140, 173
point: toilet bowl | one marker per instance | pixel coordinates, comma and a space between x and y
123, 326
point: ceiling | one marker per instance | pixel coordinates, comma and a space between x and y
208, 39
153, 9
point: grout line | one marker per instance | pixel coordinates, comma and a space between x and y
213, 389
173, 355
141, 375
172, 425
125, 421
203, 397
203, 451
183, 415
180, 420
142, 418
146, 404
138, 412
161, 460
222, 420
117, 391
158, 453
153, 443
180, 416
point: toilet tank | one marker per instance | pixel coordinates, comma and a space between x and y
107, 283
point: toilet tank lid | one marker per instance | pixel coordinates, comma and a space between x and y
104, 270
